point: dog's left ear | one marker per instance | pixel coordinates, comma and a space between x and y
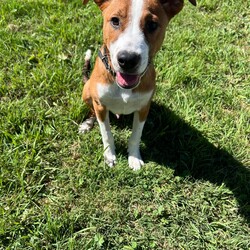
173, 7
193, 2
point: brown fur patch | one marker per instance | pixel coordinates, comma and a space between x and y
119, 9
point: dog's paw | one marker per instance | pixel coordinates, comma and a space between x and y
86, 125
135, 162
110, 158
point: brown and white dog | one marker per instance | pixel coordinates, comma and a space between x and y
123, 78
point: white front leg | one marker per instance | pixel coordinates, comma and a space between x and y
108, 141
134, 157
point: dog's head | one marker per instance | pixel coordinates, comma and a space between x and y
133, 31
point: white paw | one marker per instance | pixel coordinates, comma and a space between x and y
86, 125
110, 157
135, 162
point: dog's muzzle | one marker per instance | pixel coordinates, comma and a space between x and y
127, 77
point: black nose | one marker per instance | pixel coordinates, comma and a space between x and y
128, 60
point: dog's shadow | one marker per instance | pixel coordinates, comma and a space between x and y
169, 140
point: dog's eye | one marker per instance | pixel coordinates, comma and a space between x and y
115, 22
151, 26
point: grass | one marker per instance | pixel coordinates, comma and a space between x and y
55, 190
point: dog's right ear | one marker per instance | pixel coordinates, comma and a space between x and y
101, 3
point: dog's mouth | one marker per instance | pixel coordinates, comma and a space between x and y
127, 81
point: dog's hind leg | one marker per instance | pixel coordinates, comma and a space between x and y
87, 125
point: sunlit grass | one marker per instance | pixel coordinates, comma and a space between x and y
55, 190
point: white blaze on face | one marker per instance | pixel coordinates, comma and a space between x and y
132, 39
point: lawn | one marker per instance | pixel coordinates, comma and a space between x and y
56, 191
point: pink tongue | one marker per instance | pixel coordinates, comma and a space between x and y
125, 80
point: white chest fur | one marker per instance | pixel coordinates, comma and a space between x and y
122, 101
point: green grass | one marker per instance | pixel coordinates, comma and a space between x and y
55, 190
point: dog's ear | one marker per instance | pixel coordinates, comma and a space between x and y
192, 2
101, 3
173, 7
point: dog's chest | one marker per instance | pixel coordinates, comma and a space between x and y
122, 101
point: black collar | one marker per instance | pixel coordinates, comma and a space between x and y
105, 60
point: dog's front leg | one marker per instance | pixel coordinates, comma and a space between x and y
107, 137
134, 156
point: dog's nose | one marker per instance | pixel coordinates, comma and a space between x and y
128, 60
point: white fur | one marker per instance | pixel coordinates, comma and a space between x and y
87, 125
132, 39
122, 101
134, 157
108, 141
88, 55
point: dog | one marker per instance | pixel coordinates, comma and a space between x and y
123, 77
